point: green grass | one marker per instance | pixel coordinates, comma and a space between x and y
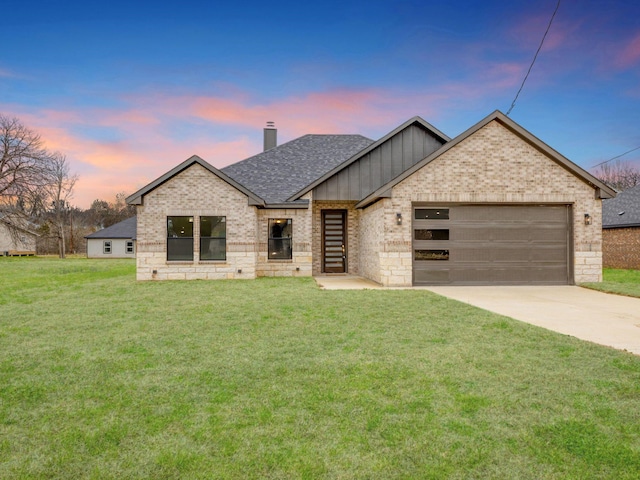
103, 377
621, 282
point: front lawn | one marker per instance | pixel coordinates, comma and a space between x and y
621, 282
103, 377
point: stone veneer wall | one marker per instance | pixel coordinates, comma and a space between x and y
621, 247
353, 221
491, 166
195, 192
301, 263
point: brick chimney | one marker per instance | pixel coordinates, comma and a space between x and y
270, 136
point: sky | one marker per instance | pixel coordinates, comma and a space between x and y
128, 90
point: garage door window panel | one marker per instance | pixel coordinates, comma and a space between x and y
431, 214
431, 234
432, 255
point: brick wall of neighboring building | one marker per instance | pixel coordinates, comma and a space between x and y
353, 222
621, 247
491, 166
195, 192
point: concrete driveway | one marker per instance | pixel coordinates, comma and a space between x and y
598, 317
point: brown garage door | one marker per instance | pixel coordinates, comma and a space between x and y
491, 245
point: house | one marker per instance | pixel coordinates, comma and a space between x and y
116, 241
621, 230
16, 238
494, 205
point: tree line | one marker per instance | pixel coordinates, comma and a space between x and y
36, 189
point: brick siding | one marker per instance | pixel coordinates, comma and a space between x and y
491, 166
196, 192
621, 247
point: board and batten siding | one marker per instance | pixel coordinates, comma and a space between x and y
379, 166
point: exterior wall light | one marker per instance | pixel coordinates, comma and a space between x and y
587, 219
398, 219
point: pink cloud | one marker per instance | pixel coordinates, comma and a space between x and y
529, 32
143, 139
629, 54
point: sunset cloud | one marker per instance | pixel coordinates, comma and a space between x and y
528, 33
122, 149
629, 53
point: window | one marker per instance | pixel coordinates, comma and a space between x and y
432, 214
431, 234
179, 238
106, 246
280, 238
421, 255
129, 246
213, 238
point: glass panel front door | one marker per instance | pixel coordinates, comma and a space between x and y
334, 241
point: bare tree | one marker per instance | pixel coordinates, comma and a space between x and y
619, 175
59, 191
24, 166
104, 214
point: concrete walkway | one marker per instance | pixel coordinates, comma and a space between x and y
611, 320
602, 318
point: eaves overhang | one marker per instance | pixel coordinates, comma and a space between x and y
298, 204
626, 225
137, 197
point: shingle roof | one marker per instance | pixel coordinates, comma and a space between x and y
623, 210
280, 172
124, 229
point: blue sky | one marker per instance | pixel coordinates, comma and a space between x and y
127, 90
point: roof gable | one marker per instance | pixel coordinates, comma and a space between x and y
277, 174
622, 211
137, 198
124, 229
378, 162
601, 189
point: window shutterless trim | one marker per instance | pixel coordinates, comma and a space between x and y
280, 248
214, 245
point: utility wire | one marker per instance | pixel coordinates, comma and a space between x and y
513, 104
617, 156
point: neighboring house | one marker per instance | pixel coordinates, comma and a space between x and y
621, 230
16, 238
495, 205
116, 241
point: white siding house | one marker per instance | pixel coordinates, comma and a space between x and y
116, 241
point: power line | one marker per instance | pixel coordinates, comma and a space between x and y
617, 156
513, 104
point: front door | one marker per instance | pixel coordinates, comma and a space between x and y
334, 241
